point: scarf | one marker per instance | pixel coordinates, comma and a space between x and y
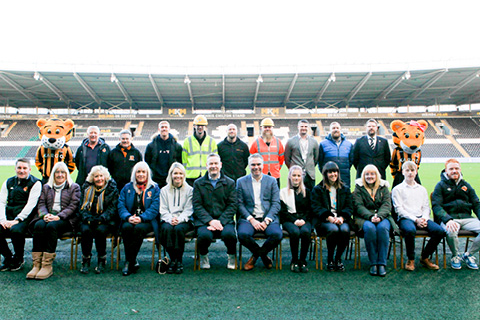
124, 150
89, 196
142, 186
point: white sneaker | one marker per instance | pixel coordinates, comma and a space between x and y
231, 262
204, 262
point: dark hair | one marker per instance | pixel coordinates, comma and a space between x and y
23, 160
329, 167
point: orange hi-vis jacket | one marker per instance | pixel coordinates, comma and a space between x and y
273, 155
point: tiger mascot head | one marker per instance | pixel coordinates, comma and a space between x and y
54, 133
409, 136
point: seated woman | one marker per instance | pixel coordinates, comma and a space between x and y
98, 214
138, 208
296, 217
332, 205
57, 208
373, 215
176, 210
413, 209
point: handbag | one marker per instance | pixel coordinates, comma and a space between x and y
162, 265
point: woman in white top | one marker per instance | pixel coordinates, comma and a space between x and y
176, 210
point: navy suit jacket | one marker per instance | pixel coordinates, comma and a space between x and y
364, 155
269, 195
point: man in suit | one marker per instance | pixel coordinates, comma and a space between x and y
258, 206
214, 206
302, 150
371, 149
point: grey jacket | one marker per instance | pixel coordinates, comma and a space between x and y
293, 155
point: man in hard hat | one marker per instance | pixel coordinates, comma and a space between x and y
271, 149
196, 149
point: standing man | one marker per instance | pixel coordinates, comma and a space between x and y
453, 201
337, 149
214, 206
258, 207
302, 150
122, 159
270, 148
18, 200
371, 149
91, 152
196, 148
234, 154
162, 152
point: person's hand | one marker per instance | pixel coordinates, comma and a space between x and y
8, 224
339, 221
256, 224
299, 222
134, 219
421, 222
216, 225
452, 226
174, 221
331, 219
376, 219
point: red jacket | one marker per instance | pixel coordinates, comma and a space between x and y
273, 155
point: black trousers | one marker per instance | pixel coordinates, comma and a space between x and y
46, 234
173, 239
98, 232
228, 236
17, 234
338, 237
133, 235
296, 234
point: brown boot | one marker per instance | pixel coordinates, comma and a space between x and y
410, 265
429, 264
37, 264
47, 269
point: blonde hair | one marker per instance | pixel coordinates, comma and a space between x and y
301, 186
179, 166
97, 169
409, 165
370, 168
59, 165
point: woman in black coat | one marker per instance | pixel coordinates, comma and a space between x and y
57, 209
98, 213
332, 205
296, 217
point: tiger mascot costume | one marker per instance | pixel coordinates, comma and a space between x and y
408, 139
54, 134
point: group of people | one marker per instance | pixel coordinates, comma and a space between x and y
205, 188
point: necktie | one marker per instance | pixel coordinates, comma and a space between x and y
372, 145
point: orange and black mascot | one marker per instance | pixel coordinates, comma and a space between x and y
408, 139
54, 134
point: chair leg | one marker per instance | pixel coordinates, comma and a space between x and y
118, 251
280, 254
240, 255
72, 242
394, 254
112, 240
153, 254
321, 253
401, 253
195, 256
466, 244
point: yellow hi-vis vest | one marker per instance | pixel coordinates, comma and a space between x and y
194, 156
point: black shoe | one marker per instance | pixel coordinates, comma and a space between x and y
85, 264
381, 271
303, 266
16, 264
179, 269
339, 266
330, 266
172, 267
134, 267
295, 267
126, 269
7, 262
267, 262
373, 270
100, 268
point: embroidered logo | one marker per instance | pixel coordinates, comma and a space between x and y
149, 194
464, 188
132, 158
25, 189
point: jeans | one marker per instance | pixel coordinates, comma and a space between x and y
377, 238
337, 236
470, 224
409, 230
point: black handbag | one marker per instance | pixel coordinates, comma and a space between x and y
162, 265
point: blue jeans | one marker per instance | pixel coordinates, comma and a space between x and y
377, 238
409, 230
245, 235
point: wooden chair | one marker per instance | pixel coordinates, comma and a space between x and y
149, 236
420, 234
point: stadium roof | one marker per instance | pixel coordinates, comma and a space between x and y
456, 86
